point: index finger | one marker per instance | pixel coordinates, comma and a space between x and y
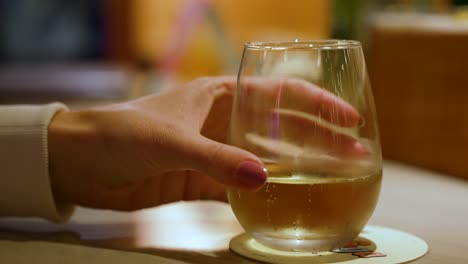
297, 94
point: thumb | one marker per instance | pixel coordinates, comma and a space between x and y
229, 165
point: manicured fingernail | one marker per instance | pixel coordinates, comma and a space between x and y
359, 150
251, 175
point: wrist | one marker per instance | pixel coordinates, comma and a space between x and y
65, 133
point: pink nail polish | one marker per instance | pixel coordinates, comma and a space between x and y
359, 150
251, 175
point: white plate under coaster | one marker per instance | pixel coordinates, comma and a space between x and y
397, 246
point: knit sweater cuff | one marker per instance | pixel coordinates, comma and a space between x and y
25, 187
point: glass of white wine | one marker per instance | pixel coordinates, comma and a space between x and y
313, 124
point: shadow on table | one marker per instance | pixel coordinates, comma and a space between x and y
119, 237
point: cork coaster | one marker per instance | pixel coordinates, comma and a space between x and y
382, 244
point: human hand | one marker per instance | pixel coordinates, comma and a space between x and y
168, 147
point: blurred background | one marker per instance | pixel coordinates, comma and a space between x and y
88, 52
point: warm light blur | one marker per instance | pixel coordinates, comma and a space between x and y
418, 69
212, 41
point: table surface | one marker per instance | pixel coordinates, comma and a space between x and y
427, 204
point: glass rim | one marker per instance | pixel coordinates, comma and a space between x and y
302, 44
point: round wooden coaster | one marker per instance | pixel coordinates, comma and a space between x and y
388, 245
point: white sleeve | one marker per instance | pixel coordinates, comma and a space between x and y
25, 188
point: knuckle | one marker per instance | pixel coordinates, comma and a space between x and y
215, 152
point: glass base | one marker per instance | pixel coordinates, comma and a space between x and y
304, 241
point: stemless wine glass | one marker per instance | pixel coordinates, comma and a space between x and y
306, 109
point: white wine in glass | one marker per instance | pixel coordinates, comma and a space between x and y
306, 109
